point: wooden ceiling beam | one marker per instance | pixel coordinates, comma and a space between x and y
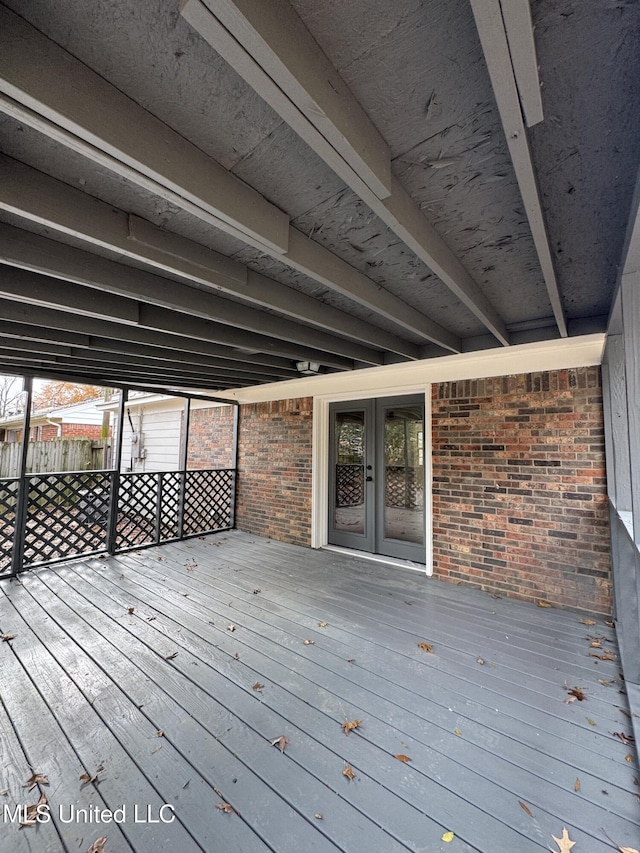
495, 46
46, 88
269, 46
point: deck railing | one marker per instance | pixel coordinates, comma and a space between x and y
78, 513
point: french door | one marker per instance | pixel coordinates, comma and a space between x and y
376, 476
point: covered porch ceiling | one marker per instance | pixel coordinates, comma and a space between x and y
201, 194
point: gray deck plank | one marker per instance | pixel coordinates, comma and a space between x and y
517, 739
446, 772
46, 745
191, 732
91, 710
485, 677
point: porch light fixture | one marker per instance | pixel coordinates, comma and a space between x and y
308, 368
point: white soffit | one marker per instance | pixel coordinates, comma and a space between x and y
559, 354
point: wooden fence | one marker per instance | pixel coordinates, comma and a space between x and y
62, 454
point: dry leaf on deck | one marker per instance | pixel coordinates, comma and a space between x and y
231, 627
457, 732
403, 758
604, 682
525, 808
587, 621
448, 836
280, 742
606, 655
322, 624
318, 816
576, 786
623, 737
87, 778
595, 644
542, 603
36, 779
564, 842
237, 656
225, 807
627, 850
160, 733
4, 792
257, 686
98, 845
628, 758
426, 647
348, 772
591, 722
31, 814
351, 660
350, 725
7, 637
171, 656
576, 693
480, 661
256, 591
309, 642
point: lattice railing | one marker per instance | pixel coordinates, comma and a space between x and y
404, 486
66, 515
8, 500
208, 501
349, 485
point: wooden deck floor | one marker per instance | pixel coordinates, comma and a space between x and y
173, 669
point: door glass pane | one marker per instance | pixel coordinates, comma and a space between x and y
404, 474
349, 513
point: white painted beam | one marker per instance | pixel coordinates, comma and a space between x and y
250, 43
46, 79
516, 15
274, 34
38, 197
488, 17
28, 251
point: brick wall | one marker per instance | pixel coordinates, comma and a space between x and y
81, 431
211, 438
274, 484
519, 487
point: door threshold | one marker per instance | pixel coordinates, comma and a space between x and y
378, 558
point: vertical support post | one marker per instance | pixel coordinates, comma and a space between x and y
22, 501
159, 497
234, 457
184, 452
112, 529
630, 293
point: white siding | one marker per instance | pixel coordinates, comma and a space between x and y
160, 432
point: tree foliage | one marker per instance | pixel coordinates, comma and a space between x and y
10, 392
55, 394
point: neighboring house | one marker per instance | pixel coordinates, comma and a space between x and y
152, 433
81, 420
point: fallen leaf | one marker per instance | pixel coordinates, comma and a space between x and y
627, 850
257, 686
348, 772
577, 693
309, 642
564, 842
36, 779
322, 624
4, 792
318, 816
237, 656
480, 661
591, 722
231, 627
160, 733
628, 758
623, 737
157, 749
587, 621
256, 591
31, 813
576, 787
351, 660
403, 758
525, 807
98, 845
448, 836
280, 742
350, 725
87, 778
171, 656
7, 637
225, 807
542, 603
595, 644
457, 732
604, 682
426, 647
496, 597
569, 700
609, 624
130, 610
606, 655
